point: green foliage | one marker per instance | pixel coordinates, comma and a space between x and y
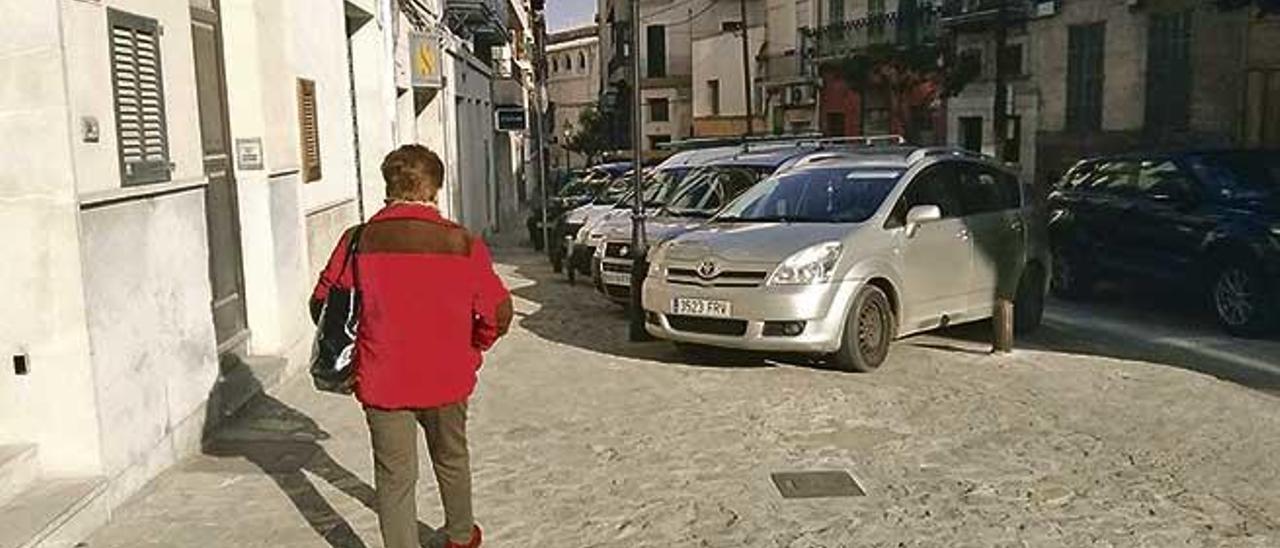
905, 69
591, 136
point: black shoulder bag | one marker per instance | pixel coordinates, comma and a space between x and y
333, 354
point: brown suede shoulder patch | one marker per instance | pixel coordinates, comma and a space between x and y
414, 236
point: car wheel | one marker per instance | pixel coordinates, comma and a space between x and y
1242, 299
867, 333
1071, 278
1028, 304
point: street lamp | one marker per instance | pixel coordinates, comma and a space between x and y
568, 162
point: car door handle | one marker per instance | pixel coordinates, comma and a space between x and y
963, 234
1016, 226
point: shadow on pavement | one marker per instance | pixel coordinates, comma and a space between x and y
283, 443
575, 315
1155, 325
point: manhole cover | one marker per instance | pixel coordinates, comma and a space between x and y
816, 484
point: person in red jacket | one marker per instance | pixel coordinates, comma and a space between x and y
431, 304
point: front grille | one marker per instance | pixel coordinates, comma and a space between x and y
728, 278
624, 268
617, 291
708, 326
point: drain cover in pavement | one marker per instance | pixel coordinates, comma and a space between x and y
803, 485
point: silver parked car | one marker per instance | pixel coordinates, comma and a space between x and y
706, 189
846, 251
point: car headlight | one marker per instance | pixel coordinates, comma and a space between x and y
811, 265
1275, 231
658, 256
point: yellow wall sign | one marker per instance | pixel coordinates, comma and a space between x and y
425, 58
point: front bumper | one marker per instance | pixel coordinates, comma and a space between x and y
615, 278
822, 308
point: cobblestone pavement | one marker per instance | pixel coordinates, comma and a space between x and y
582, 439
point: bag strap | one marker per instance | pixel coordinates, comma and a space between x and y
352, 249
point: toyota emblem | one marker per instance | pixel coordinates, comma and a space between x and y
708, 269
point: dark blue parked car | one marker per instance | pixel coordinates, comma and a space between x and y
1208, 220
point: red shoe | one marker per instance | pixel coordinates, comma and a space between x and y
475, 540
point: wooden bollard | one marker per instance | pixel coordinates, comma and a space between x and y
1003, 323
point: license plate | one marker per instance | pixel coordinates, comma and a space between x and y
701, 307
615, 278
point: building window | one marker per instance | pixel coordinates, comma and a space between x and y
1011, 60
655, 141
1084, 76
1168, 71
876, 18
835, 124
141, 127
875, 113
730, 26
308, 130
555, 64
1013, 139
656, 38
713, 96
1262, 108
582, 61
659, 110
971, 133
835, 11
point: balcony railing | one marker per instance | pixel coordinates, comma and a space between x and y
982, 13
919, 26
484, 20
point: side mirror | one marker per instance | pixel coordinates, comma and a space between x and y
922, 214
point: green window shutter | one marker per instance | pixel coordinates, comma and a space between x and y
142, 133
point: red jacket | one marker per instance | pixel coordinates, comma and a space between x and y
430, 304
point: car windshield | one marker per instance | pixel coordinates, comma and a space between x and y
575, 186
706, 190
829, 195
1252, 171
661, 185
613, 191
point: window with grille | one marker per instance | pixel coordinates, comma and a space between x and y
1085, 46
1168, 71
659, 110
141, 129
308, 130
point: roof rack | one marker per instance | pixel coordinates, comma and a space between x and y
927, 152
797, 139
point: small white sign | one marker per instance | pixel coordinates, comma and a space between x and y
249, 154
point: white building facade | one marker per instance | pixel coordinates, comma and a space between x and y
174, 173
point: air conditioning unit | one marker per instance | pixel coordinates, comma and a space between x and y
1046, 9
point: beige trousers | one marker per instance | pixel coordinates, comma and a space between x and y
395, 460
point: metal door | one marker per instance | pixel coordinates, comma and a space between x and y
226, 274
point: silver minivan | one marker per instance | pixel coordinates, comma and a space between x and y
845, 251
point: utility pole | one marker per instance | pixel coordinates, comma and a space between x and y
999, 116
539, 81
746, 69
639, 244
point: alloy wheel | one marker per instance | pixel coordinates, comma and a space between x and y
1233, 297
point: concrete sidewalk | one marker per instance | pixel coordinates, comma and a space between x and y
583, 439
